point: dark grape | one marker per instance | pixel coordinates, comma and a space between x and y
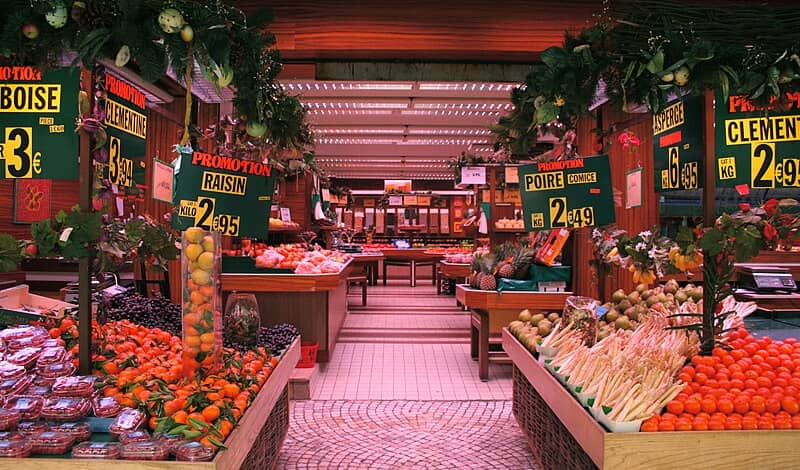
155, 312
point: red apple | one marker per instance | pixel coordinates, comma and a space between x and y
30, 31
31, 250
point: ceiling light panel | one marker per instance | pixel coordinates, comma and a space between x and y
448, 131
473, 105
358, 130
345, 86
353, 104
454, 86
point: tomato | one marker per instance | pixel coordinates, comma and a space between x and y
725, 405
675, 407
716, 424
749, 423
733, 425
741, 405
708, 405
758, 404
790, 405
666, 425
692, 406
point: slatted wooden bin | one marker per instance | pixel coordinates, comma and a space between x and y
562, 434
253, 445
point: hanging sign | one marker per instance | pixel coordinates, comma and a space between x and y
126, 126
409, 200
224, 194
567, 194
473, 175
395, 200
37, 121
512, 174
678, 145
423, 201
756, 147
162, 181
401, 186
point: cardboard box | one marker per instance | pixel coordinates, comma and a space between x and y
18, 305
548, 253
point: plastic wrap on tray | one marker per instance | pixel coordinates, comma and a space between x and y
56, 370
11, 436
76, 386
194, 452
25, 357
51, 442
65, 408
51, 355
135, 436
172, 442
35, 341
10, 371
129, 419
145, 450
8, 419
80, 430
27, 407
35, 390
31, 428
105, 407
15, 386
19, 332
54, 343
15, 448
97, 450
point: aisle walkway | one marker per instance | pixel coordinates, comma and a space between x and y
402, 392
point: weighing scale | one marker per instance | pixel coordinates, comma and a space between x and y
766, 279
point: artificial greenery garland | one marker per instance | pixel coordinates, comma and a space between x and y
230, 49
648, 52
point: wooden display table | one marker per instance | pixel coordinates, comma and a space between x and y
457, 271
491, 311
562, 434
253, 445
369, 261
315, 303
410, 257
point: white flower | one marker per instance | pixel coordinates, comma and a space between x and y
641, 246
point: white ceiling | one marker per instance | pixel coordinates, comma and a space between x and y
399, 129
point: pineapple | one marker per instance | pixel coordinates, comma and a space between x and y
488, 282
521, 263
506, 269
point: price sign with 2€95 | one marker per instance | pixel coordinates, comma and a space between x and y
567, 194
224, 194
37, 117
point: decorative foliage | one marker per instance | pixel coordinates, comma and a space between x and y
647, 52
161, 34
10, 253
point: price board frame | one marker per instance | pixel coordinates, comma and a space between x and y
567, 194
756, 147
224, 194
38, 110
126, 121
678, 148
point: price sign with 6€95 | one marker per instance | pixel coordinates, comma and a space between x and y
567, 194
224, 194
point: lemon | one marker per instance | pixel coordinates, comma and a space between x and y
208, 243
201, 277
194, 234
206, 261
193, 250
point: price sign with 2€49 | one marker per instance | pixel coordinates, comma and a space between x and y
567, 194
224, 194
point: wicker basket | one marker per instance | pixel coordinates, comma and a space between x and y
267, 445
551, 442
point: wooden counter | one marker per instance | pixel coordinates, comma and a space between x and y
454, 270
410, 257
543, 406
253, 445
369, 261
491, 311
315, 303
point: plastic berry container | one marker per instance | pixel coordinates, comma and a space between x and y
172, 442
134, 436
56, 370
51, 355
129, 419
35, 341
11, 436
25, 357
35, 390
194, 452
65, 408
106, 407
8, 419
54, 343
75, 386
51, 442
145, 450
18, 332
10, 371
97, 450
15, 448
80, 430
27, 407
31, 428
14, 386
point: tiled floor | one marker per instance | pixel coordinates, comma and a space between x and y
401, 391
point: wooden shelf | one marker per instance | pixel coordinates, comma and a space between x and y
489, 299
510, 230
653, 450
284, 282
284, 230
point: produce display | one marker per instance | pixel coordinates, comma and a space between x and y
151, 312
280, 224
509, 224
509, 260
459, 258
301, 260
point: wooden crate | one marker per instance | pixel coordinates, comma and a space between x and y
557, 425
253, 445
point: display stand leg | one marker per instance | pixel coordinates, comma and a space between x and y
483, 348
413, 273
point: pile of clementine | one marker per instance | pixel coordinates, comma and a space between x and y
754, 385
142, 368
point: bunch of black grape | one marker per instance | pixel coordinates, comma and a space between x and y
279, 337
155, 312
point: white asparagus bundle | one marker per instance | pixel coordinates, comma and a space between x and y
559, 334
567, 348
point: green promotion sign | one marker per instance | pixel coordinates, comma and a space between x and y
126, 126
678, 145
757, 148
567, 194
224, 194
37, 123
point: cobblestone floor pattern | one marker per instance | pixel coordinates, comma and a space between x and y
412, 400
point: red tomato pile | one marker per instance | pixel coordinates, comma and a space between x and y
755, 385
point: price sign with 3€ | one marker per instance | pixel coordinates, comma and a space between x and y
37, 114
